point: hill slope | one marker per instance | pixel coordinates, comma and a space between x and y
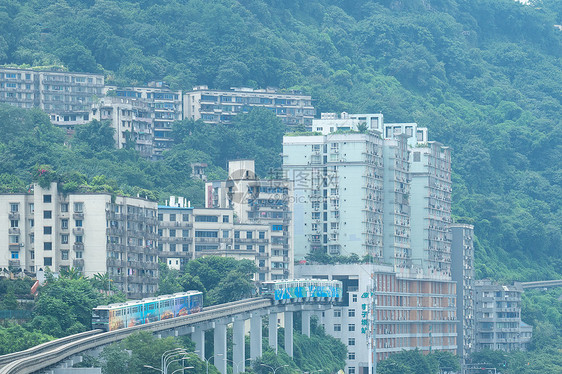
483, 75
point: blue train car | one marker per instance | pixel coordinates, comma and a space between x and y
302, 289
137, 312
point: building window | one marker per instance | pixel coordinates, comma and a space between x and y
276, 227
225, 233
350, 341
78, 223
14, 207
172, 233
185, 217
79, 254
185, 247
351, 370
206, 218
351, 313
14, 239
14, 223
78, 207
14, 255
337, 313
48, 261
337, 327
354, 298
47, 214
32, 254
64, 239
172, 247
47, 246
79, 239
172, 217
351, 355
160, 217
250, 247
47, 230
31, 208
31, 222
206, 234
225, 219
261, 234
64, 255
351, 327
64, 208
64, 224
236, 234
47, 198
262, 248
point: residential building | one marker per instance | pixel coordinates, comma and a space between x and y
131, 118
187, 233
368, 194
165, 105
331, 122
221, 106
91, 232
498, 317
410, 311
259, 201
65, 96
462, 272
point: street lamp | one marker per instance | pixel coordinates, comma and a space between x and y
175, 360
152, 367
187, 367
165, 356
272, 369
208, 359
239, 363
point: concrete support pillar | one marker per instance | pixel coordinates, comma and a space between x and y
198, 337
273, 331
255, 336
238, 346
289, 333
220, 347
306, 314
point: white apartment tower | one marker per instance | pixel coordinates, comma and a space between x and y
91, 232
384, 192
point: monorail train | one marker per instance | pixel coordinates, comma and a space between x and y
291, 290
138, 312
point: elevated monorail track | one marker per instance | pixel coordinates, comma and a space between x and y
50, 353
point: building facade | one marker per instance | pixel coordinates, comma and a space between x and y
411, 312
221, 106
332, 122
132, 119
165, 107
259, 201
498, 317
462, 270
368, 194
187, 233
93, 233
66, 97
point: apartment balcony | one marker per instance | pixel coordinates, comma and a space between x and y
14, 246
114, 216
176, 239
14, 215
14, 230
14, 263
115, 231
78, 263
114, 262
263, 255
78, 216
78, 231
150, 266
116, 247
263, 269
165, 224
78, 246
206, 240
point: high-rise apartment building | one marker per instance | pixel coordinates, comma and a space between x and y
462, 271
368, 194
411, 311
498, 317
166, 107
259, 201
221, 106
91, 232
66, 97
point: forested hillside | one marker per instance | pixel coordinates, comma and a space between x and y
483, 75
